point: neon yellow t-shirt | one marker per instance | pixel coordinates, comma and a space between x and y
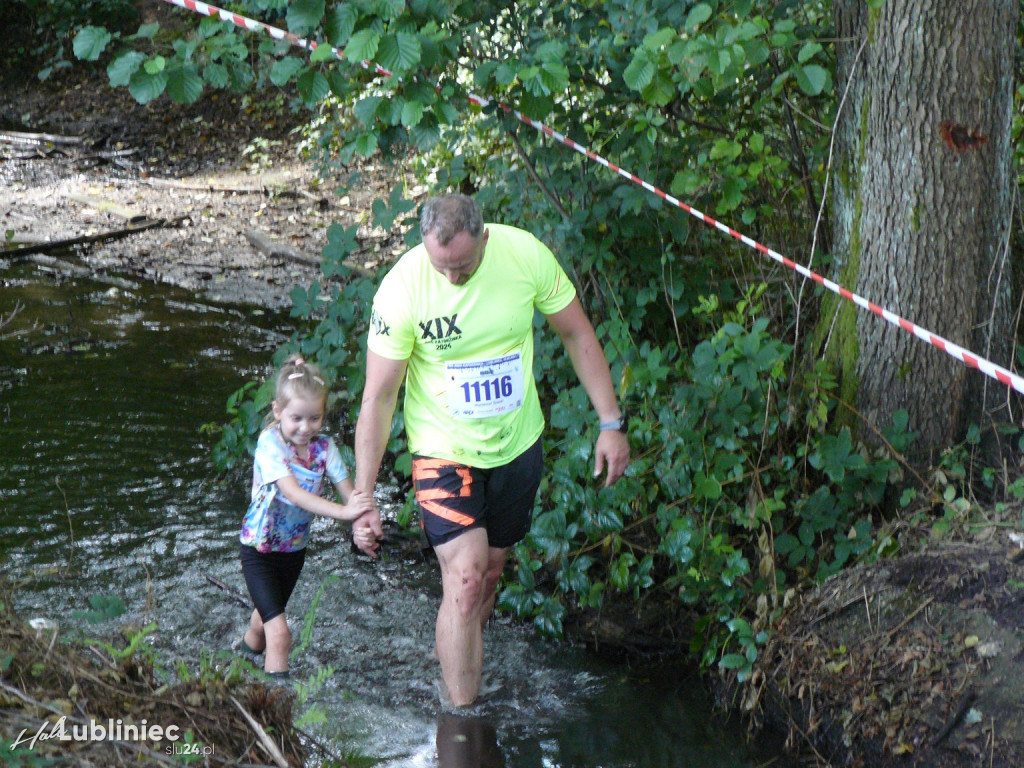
470, 394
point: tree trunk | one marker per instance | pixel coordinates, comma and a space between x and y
923, 201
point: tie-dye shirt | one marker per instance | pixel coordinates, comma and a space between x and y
272, 523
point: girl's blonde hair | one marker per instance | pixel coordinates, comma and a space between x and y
300, 379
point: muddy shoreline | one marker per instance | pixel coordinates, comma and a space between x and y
237, 210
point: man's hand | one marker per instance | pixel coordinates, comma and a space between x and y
611, 452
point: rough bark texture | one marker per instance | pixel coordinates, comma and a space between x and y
922, 227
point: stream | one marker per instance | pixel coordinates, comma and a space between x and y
107, 489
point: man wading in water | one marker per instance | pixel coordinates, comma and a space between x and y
453, 319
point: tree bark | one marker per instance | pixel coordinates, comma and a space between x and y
923, 207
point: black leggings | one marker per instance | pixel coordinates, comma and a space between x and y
270, 577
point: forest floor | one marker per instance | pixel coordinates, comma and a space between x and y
912, 661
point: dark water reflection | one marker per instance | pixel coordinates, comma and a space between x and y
106, 489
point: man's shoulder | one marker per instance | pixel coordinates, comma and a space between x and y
509, 233
410, 261
404, 275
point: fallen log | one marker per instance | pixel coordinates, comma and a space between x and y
100, 237
152, 181
20, 137
109, 206
41, 152
273, 249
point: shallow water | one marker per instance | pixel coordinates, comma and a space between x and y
106, 488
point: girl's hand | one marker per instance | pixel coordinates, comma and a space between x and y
359, 503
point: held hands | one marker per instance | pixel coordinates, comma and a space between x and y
611, 452
366, 529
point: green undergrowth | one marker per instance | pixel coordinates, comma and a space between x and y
741, 490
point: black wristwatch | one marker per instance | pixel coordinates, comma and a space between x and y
618, 424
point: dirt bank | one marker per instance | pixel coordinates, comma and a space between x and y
912, 661
236, 209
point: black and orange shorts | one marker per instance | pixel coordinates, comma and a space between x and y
454, 498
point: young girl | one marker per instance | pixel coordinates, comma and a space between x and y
292, 459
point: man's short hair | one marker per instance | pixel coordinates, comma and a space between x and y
444, 217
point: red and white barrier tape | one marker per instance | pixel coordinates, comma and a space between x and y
258, 26
996, 372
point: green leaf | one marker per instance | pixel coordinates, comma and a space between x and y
304, 15
483, 73
412, 113
640, 71
285, 69
505, 74
388, 9
719, 61
756, 53
184, 85
706, 487
808, 52
659, 39
366, 144
399, 52
403, 464
147, 31
123, 67
554, 76
725, 149
786, 543
313, 87
340, 241
733, 661
660, 91
362, 46
90, 42
341, 21
155, 65
697, 16
732, 196
216, 74
322, 52
812, 79
365, 110
837, 456
686, 183
144, 87
536, 106
426, 134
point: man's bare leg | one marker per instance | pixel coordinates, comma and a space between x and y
465, 605
495, 567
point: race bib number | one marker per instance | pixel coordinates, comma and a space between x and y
478, 390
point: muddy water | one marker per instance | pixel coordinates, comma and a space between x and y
106, 489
